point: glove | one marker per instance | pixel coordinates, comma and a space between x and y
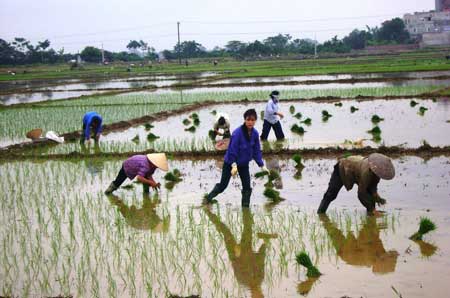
234, 169
264, 169
380, 201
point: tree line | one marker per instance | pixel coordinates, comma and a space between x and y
21, 51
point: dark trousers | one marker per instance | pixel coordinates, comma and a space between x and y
276, 128
244, 173
334, 186
121, 177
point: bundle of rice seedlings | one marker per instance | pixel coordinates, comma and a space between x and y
304, 260
190, 129
298, 129
214, 112
298, 115
261, 174
376, 119
425, 226
307, 121
135, 139
326, 115
148, 126
196, 121
173, 176
272, 194
212, 134
262, 114
353, 109
193, 116
338, 104
292, 109
186, 122
413, 103
273, 175
422, 110
151, 137
297, 158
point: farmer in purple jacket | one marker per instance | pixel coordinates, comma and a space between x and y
142, 167
244, 146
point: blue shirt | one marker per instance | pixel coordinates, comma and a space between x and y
243, 148
270, 112
87, 122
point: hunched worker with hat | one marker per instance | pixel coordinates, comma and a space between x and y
366, 172
142, 167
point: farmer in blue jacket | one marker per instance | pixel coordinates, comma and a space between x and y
92, 122
244, 146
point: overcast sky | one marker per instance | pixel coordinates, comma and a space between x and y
75, 24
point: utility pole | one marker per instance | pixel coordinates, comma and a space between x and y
179, 47
315, 46
103, 55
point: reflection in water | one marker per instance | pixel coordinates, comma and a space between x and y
248, 266
426, 249
144, 218
305, 287
365, 250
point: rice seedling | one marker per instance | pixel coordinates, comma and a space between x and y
297, 158
148, 126
214, 112
292, 109
298, 115
298, 129
135, 139
262, 114
194, 116
152, 137
186, 122
425, 226
338, 104
376, 119
422, 111
191, 129
413, 103
353, 109
196, 121
304, 260
307, 121
375, 130
212, 134
326, 115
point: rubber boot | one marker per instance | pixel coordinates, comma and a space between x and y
110, 189
323, 207
246, 197
216, 190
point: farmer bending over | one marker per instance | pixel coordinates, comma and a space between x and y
244, 146
92, 122
272, 118
222, 123
366, 173
142, 167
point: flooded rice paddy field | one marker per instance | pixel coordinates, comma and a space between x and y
62, 236
403, 126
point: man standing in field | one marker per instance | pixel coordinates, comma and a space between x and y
366, 172
272, 118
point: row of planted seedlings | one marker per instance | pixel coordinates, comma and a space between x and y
84, 244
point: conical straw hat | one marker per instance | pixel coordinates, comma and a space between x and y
34, 134
382, 166
159, 160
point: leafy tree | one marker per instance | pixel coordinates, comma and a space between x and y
334, 45
393, 31
302, 46
235, 47
278, 44
190, 49
91, 54
257, 48
357, 39
133, 45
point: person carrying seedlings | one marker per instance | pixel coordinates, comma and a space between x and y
244, 146
222, 123
92, 122
142, 167
366, 172
272, 118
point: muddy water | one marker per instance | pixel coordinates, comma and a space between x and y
402, 124
42, 96
63, 236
